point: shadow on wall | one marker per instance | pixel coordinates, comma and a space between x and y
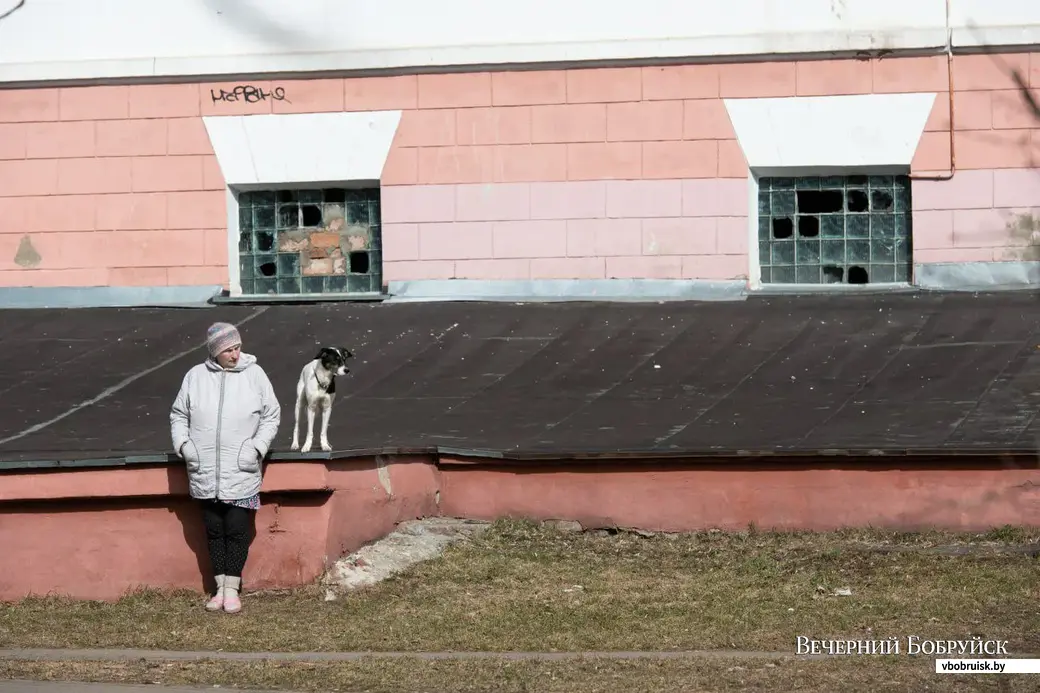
4, 14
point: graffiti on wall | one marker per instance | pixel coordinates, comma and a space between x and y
247, 93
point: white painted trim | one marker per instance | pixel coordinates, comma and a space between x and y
842, 132
540, 290
978, 23
300, 148
476, 57
293, 151
234, 231
754, 256
135, 38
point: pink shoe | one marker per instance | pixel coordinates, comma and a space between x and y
216, 602
232, 604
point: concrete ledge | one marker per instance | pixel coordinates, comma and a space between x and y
278, 299
978, 276
142, 482
108, 296
530, 291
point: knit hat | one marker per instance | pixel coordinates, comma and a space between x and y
221, 336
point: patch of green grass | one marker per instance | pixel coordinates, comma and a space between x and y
520, 586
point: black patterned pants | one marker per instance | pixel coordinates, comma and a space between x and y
228, 535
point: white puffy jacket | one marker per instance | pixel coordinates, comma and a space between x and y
222, 424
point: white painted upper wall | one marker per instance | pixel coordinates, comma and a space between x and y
85, 39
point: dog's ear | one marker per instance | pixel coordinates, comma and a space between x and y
321, 353
346, 353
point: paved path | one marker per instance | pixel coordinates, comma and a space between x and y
184, 655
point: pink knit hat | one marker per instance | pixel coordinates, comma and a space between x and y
221, 336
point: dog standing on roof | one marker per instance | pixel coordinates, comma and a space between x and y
316, 389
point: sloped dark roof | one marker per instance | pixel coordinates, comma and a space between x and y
884, 373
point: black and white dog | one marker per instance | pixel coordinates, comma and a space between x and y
316, 389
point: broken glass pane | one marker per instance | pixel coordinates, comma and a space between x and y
832, 274
288, 216
857, 201
783, 228
263, 241
266, 265
831, 229
808, 226
881, 200
820, 201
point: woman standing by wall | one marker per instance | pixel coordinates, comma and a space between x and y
222, 423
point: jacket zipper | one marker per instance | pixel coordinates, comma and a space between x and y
220, 420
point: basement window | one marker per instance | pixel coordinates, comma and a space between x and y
296, 242
835, 230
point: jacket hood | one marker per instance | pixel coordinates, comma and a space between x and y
244, 361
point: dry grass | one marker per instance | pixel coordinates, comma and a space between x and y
514, 588
585, 676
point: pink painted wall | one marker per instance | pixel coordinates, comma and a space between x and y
127, 528
985, 213
133, 527
626, 172
674, 496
